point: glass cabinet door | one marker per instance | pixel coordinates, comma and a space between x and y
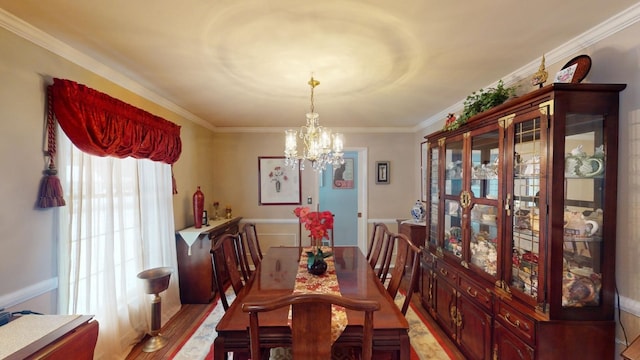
483, 243
433, 186
584, 198
453, 186
483, 215
484, 165
526, 174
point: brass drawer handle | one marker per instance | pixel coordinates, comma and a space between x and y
514, 324
444, 272
472, 294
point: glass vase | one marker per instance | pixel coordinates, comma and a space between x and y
198, 208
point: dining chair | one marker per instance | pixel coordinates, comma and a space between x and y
330, 233
253, 245
373, 243
405, 250
311, 323
382, 251
227, 257
378, 246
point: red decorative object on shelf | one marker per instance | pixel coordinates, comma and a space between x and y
198, 208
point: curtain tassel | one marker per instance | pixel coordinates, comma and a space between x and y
50, 187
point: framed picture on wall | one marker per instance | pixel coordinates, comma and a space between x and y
382, 172
278, 184
343, 175
423, 170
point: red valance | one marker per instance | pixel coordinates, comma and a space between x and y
101, 125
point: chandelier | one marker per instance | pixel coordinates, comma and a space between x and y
320, 146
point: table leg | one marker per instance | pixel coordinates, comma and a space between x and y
405, 346
218, 349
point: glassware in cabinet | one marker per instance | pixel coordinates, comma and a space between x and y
453, 187
583, 210
433, 194
528, 159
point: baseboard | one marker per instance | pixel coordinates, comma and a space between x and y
629, 305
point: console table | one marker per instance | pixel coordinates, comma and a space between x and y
52, 337
195, 267
416, 232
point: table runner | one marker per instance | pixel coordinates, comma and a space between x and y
326, 283
191, 234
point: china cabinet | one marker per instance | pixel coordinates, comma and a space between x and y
521, 226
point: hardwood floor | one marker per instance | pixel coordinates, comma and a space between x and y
177, 331
179, 328
457, 355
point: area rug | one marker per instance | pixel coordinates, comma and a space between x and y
424, 345
199, 344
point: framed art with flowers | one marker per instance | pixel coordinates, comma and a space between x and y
278, 184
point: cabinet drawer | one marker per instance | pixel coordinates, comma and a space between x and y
426, 260
447, 273
476, 292
519, 323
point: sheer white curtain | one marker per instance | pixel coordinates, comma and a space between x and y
118, 221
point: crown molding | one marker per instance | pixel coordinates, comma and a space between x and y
350, 130
48, 42
599, 32
25, 30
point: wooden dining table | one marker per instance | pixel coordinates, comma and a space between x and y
276, 276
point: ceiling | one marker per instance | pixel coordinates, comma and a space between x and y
245, 64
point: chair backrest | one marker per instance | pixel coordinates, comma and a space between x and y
251, 239
330, 231
330, 239
311, 323
381, 251
405, 250
373, 243
379, 239
227, 257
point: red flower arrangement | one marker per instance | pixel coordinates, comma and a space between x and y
317, 222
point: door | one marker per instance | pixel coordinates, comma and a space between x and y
474, 331
338, 193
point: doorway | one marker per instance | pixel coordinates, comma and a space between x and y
341, 191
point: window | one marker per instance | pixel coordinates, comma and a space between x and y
118, 221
